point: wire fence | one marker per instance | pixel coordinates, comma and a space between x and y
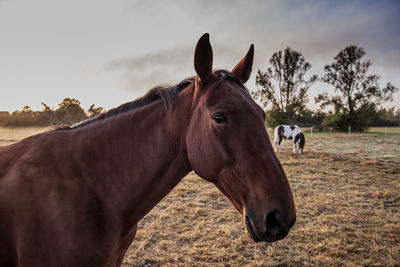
310, 130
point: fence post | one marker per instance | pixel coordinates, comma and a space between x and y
311, 131
349, 129
385, 130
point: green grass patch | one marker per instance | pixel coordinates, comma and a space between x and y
384, 130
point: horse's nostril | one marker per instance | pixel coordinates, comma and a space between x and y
274, 222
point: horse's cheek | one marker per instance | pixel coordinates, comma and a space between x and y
201, 155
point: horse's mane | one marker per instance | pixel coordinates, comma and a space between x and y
167, 94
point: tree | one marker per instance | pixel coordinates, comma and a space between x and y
94, 112
359, 93
284, 86
25, 117
386, 117
70, 111
46, 117
311, 118
4, 117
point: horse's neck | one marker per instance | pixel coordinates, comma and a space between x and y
135, 159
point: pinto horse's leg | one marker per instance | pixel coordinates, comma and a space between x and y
280, 140
294, 146
275, 143
278, 144
296, 141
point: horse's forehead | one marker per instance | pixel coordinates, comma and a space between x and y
225, 91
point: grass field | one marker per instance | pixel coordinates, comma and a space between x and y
347, 194
348, 213
372, 145
386, 130
11, 135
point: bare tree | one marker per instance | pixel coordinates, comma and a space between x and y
357, 91
284, 84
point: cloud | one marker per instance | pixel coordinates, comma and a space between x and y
318, 29
141, 73
140, 44
165, 66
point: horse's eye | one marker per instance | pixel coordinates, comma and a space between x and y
220, 118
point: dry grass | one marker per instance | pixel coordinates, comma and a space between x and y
348, 214
370, 146
387, 130
12, 135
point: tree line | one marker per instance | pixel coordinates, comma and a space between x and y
68, 112
283, 92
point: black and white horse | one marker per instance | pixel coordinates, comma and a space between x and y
289, 132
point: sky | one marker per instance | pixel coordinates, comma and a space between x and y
108, 52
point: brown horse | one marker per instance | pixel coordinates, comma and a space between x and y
73, 196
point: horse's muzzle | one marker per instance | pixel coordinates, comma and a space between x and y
275, 225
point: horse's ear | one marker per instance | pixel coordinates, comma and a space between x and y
203, 58
243, 68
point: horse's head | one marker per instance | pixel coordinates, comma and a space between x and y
227, 144
301, 142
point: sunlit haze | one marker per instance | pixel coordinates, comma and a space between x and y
110, 52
